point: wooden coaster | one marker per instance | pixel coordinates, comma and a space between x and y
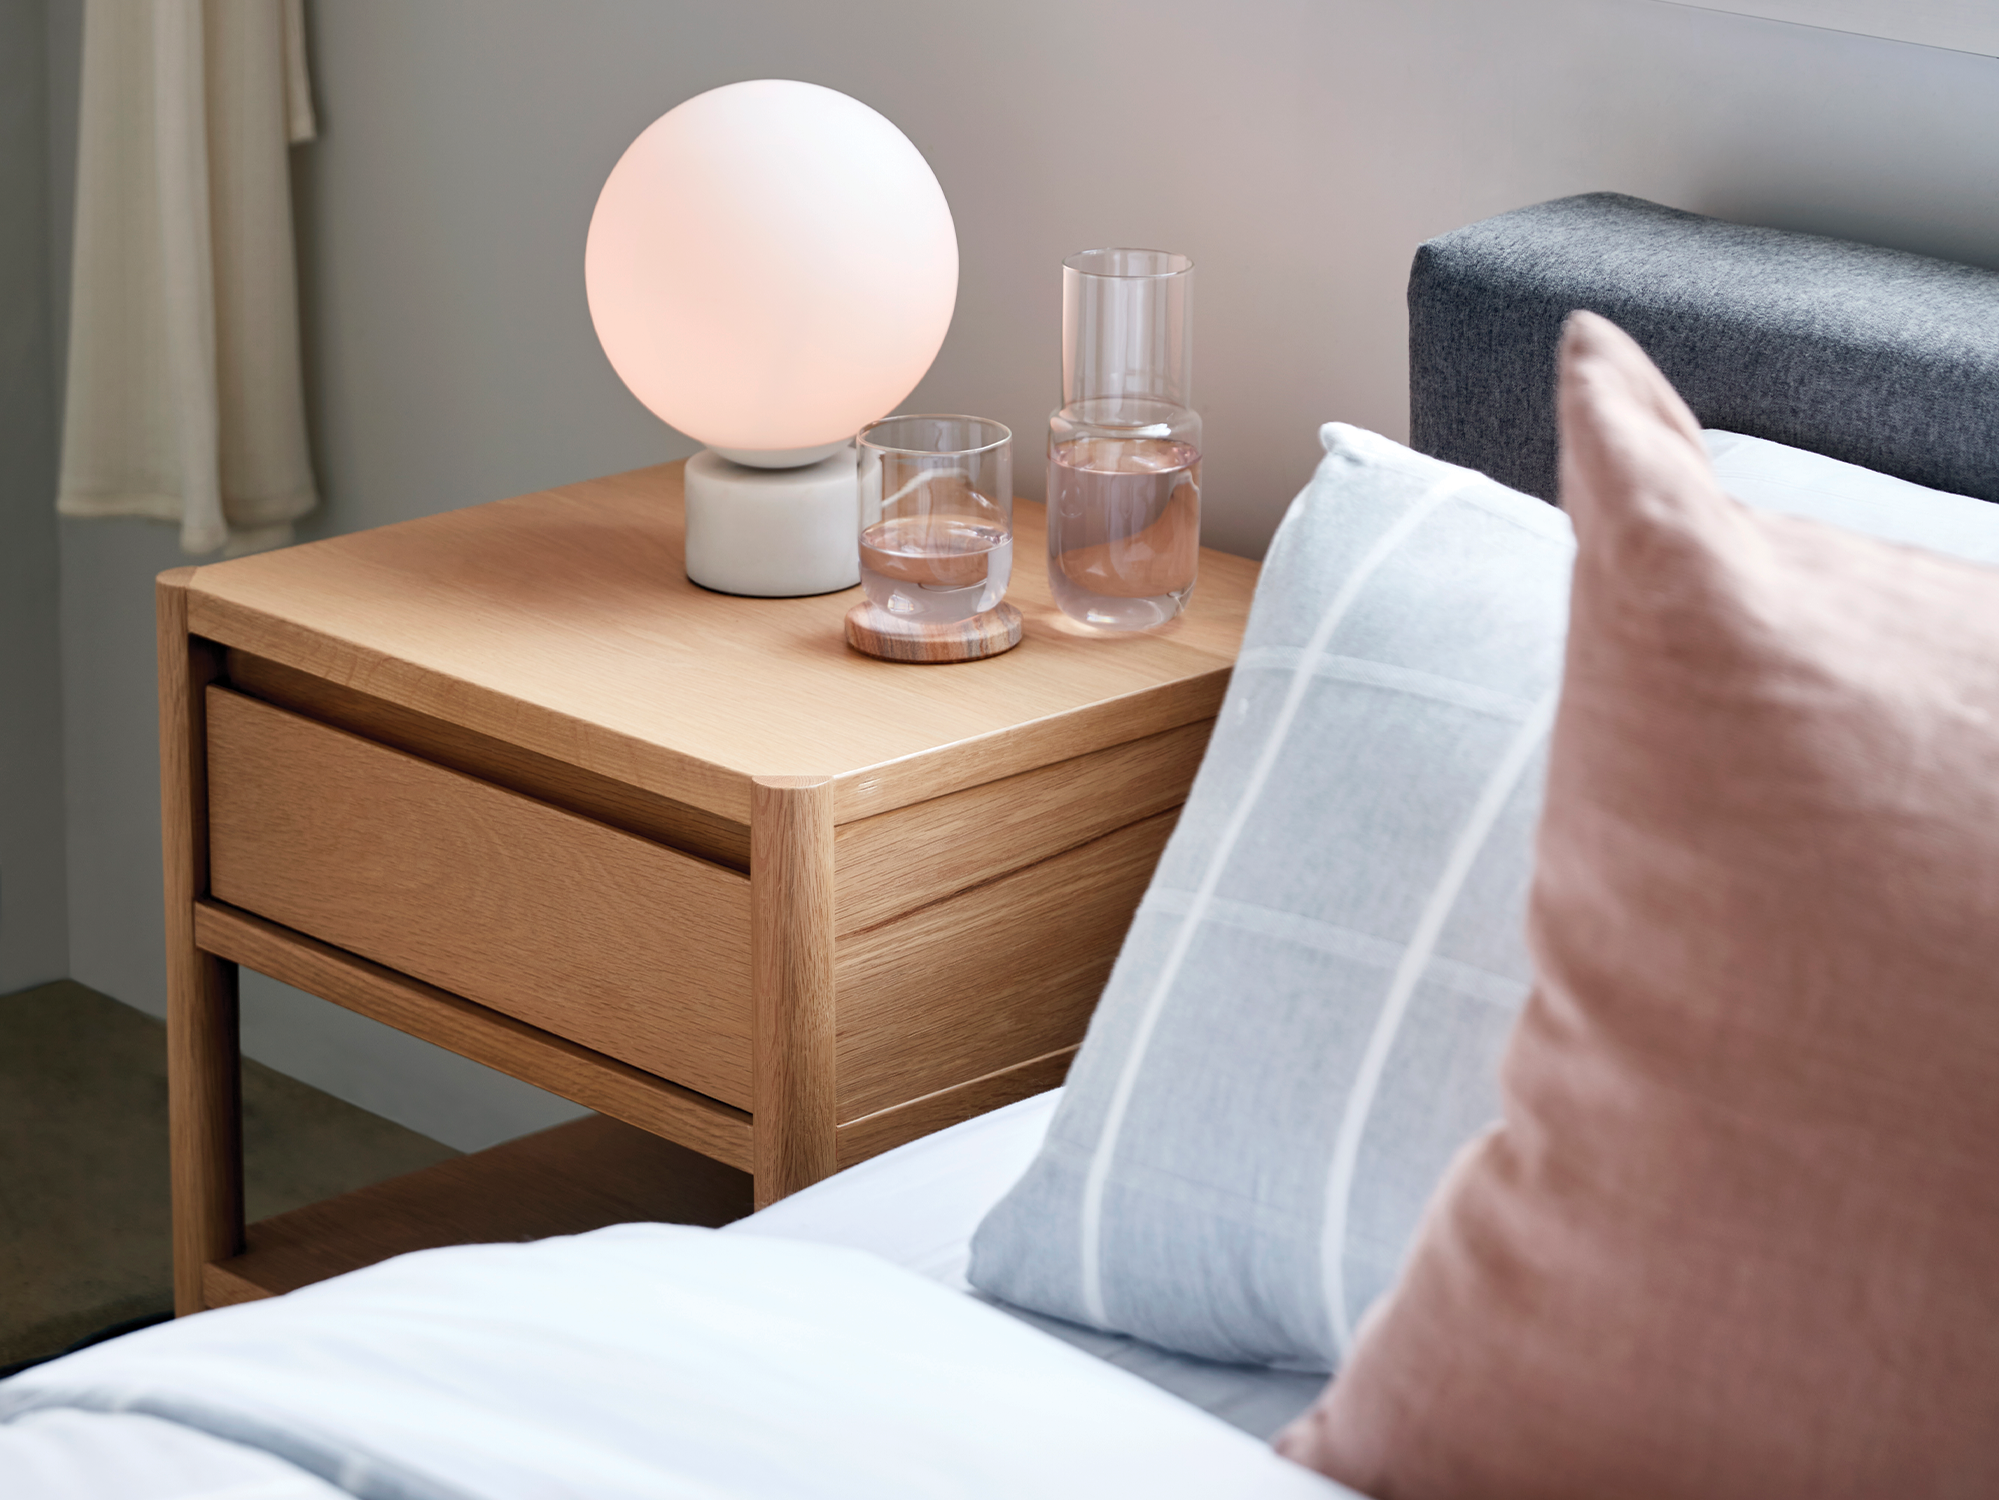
875, 631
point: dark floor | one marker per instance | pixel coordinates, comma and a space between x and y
84, 1239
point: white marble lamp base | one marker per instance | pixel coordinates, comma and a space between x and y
773, 533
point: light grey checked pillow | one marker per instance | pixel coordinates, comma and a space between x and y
1306, 1019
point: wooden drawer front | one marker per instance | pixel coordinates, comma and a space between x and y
999, 974
619, 944
441, 742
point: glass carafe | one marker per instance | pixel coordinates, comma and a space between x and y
1124, 448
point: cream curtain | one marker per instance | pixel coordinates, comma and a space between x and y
185, 400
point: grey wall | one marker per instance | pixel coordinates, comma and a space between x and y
33, 891
1298, 149
107, 747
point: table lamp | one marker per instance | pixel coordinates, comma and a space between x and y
771, 266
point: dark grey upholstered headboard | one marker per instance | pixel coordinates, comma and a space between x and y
1874, 356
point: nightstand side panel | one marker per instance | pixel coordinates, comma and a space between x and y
897, 861
996, 976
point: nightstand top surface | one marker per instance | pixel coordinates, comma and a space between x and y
563, 622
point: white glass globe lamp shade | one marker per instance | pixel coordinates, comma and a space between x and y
770, 267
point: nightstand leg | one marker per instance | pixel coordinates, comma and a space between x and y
205, 1120
203, 1067
791, 981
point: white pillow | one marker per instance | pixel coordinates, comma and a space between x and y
1771, 476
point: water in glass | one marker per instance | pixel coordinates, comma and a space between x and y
1124, 529
938, 569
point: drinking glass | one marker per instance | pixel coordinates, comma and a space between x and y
1124, 448
936, 516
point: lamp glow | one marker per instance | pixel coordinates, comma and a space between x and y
771, 266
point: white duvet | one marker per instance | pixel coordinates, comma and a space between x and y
645, 1360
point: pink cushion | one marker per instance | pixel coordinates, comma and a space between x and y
1739, 1232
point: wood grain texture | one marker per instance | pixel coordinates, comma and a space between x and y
995, 976
568, 1180
876, 632
626, 947
556, 782
563, 623
458, 1025
791, 880
887, 1128
897, 861
204, 1071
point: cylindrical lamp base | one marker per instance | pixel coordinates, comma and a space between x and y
773, 533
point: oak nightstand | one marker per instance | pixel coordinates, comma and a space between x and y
504, 779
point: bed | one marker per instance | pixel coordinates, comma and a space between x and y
624, 1362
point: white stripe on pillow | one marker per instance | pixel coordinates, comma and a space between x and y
1415, 962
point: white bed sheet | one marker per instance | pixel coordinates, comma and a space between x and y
919, 1205
641, 1362
66, 1454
